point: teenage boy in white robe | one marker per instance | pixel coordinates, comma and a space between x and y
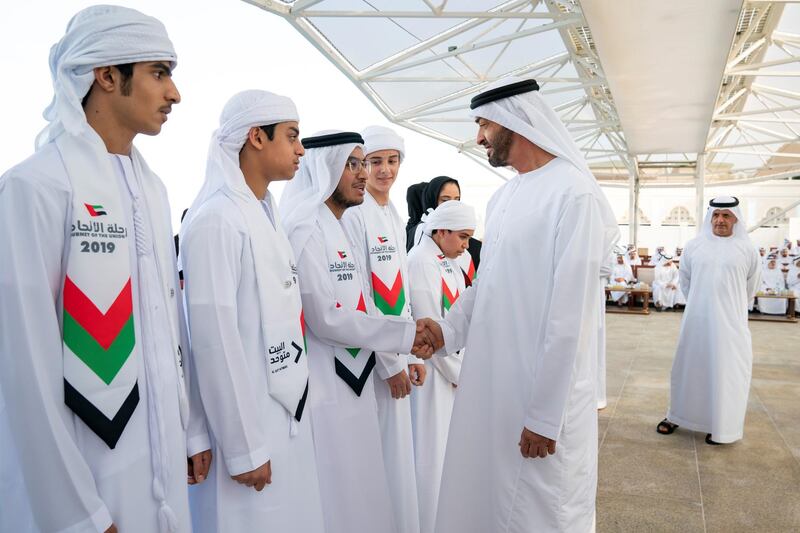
522, 445
772, 281
665, 285
91, 330
379, 237
343, 333
710, 378
622, 274
436, 283
247, 330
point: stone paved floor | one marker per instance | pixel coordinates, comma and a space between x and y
653, 483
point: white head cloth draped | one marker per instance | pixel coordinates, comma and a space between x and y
529, 115
97, 36
319, 174
243, 111
739, 229
377, 138
451, 215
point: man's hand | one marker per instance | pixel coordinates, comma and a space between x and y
199, 464
429, 338
399, 384
534, 445
257, 478
112, 529
416, 374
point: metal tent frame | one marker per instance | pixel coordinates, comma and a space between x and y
434, 55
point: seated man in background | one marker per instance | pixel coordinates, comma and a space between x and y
622, 274
665, 285
772, 282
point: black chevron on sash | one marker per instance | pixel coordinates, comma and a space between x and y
355, 382
108, 430
302, 405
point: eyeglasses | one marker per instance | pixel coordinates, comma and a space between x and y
356, 165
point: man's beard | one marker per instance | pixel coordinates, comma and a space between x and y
340, 200
501, 145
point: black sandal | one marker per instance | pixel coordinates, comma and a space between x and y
665, 427
711, 442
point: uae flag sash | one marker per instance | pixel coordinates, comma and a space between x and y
452, 285
386, 255
353, 365
101, 352
281, 309
467, 266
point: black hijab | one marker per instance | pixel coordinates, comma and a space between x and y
414, 201
430, 198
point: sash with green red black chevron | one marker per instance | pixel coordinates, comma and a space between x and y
100, 352
354, 370
390, 301
103, 343
448, 298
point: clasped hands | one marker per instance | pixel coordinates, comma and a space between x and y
429, 338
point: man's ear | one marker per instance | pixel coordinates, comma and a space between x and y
106, 78
256, 137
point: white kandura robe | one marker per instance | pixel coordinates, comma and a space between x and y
249, 427
75, 481
772, 279
432, 404
394, 414
530, 322
713, 362
605, 275
793, 282
664, 296
626, 273
347, 439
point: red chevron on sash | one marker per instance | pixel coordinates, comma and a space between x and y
103, 327
389, 295
449, 298
362, 305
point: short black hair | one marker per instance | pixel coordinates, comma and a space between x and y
269, 130
126, 70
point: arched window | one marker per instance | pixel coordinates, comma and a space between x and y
679, 215
643, 219
782, 220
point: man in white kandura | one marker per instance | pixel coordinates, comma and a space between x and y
633, 258
522, 446
772, 282
379, 238
793, 279
247, 330
657, 257
719, 274
622, 274
665, 285
436, 283
343, 334
94, 432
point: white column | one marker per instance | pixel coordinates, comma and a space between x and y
699, 186
633, 202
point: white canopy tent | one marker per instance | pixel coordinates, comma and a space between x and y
656, 94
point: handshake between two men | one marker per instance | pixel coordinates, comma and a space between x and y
429, 338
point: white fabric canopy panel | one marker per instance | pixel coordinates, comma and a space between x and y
666, 82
